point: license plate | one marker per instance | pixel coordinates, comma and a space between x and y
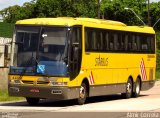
34, 90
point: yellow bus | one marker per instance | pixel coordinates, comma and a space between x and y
75, 58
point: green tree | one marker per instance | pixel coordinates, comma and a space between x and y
114, 10
155, 11
110, 10
14, 13
47, 8
74, 8
85, 8
10, 14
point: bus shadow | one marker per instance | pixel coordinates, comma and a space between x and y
106, 98
90, 100
65, 103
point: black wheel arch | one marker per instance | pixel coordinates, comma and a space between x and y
85, 80
131, 78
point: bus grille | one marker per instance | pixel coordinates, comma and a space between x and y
27, 82
35, 82
42, 82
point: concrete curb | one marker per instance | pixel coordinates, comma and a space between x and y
10, 102
157, 83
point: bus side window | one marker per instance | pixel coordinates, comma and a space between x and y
101, 41
152, 45
138, 43
111, 45
88, 39
144, 44
129, 42
105, 41
111, 41
134, 45
94, 41
122, 45
126, 43
116, 42
129, 46
144, 47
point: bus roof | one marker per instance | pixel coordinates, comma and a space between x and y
88, 22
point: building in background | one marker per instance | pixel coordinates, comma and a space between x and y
6, 31
1, 19
4, 51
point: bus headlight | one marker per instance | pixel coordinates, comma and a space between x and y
16, 81
58, 83
14, 89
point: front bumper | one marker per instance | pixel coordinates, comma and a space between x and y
56, 93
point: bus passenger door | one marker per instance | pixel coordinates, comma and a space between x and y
75, 53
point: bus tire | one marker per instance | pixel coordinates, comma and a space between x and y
32, 101
129, 89
136, 92
82, 94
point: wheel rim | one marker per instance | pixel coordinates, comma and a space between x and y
82, 92
129, 88
137, 87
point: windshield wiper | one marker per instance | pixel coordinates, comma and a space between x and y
28, 62
35, 60
61, 54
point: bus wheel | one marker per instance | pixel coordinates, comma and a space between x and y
137, 88
82, 94
129, 89
32, 101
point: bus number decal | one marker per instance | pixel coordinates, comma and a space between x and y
100, 61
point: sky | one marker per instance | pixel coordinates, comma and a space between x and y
7, 3
154, 0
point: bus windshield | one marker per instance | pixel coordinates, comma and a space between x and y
38, 49
53, 44
26, 44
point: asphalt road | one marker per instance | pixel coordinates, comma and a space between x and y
147, 105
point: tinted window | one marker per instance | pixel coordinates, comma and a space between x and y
101, 40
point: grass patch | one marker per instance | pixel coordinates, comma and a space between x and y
158, 75
5, 97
